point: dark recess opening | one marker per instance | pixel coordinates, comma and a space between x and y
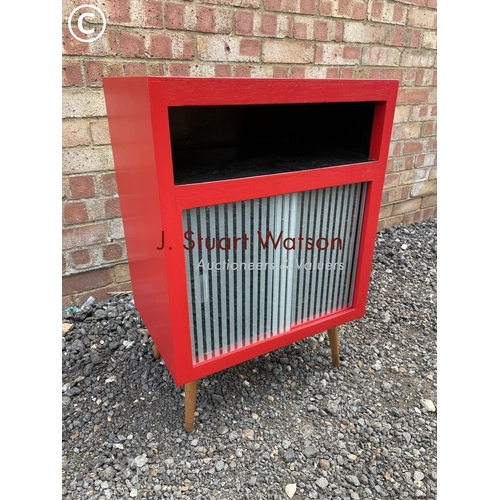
212, 143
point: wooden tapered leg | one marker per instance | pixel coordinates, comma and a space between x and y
156, 352
333, 336
190, 404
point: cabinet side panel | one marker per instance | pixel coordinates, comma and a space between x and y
128, 109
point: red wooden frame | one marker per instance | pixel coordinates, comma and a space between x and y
151, 203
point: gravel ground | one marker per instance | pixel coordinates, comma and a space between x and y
284, 425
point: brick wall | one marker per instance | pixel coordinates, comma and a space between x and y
239, 38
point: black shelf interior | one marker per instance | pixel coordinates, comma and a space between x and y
212, 143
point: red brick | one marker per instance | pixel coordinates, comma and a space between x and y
73, 46
288, 30
409, 162
358, 10
272, 4
343, 7
395, 36
118, 11
429, 129
112, 252
80, 257
152, 15
321, 30
307, 6
87, 280
74, 213
222, 70
132, 45
154, 69
134, 69
112, 208
179, 69
300, 31
391, 181
398, 14
205, 19
79, 236
187, 49
268, 24
412, 96
93, 73
244, 23
82, 186
174, 16
108, 184
332, 72
280, 72
243, 71
351, 52
249, 47
325, 7
415, 38
72, 74
376, 12
298, 72
395, 149
160, 46
412, 147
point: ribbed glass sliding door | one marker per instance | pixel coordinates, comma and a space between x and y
258, 267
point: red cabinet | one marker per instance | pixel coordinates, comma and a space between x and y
250, 208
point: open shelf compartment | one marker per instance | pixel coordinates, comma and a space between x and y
211, 143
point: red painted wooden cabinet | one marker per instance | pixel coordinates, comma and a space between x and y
250, 208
